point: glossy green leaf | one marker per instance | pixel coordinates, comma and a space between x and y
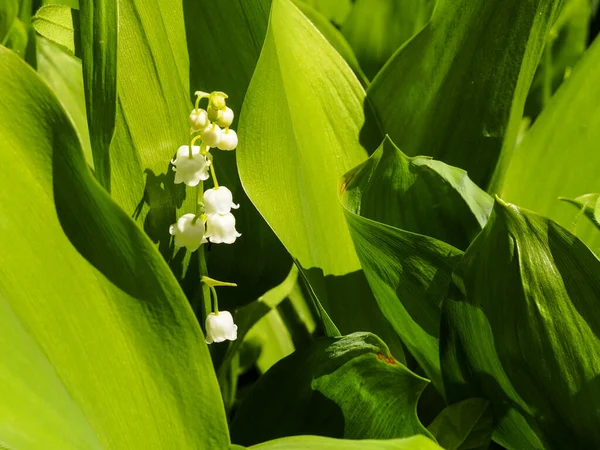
8, 13
322, 443
291, 153
338, 387
99, 31
559, 156
101, 349
62, 72
401, 212
588, 204
59, 24
457, 90
521, 328
152, 122
466, 425
375, 29
334, 36
223, 58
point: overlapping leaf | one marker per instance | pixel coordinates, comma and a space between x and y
223, 57
457, 90
521, 328
58, 24
559, 156
377, 28
566, 42
322, 443
99, 20
62, 72
466, 425
348, 387
402, 212
299, 132
334, 36
100, 348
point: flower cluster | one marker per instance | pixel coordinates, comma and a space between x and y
212, 220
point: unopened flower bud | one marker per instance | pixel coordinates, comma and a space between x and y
211, 135
219, 201
214, 115
217, 100
220, 327
198, 119
229, 140
226, 118
188, 233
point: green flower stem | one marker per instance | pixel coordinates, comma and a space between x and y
203, 268
216, 300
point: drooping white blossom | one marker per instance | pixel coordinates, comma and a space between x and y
229, 140
220, 229
219, 201
188, 233
190, 170
226, 118
198, 119
220, 327
211, 135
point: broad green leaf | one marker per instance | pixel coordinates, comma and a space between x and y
152, 123
559, 156
59, 24
62, 72
223, 58
298, 134
402, 212
323, 443
375, 29
466, 425
100, 348
334, 36
521, 328
99, 31
273, 339
457, 90
588, 204
566, 42
348, 387
8, 13
334, 10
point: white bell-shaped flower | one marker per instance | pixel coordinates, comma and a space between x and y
190, 170
219, 201
187, 233
220, 229
220, 327
229, 140
226, 118
198, 119
211, 135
